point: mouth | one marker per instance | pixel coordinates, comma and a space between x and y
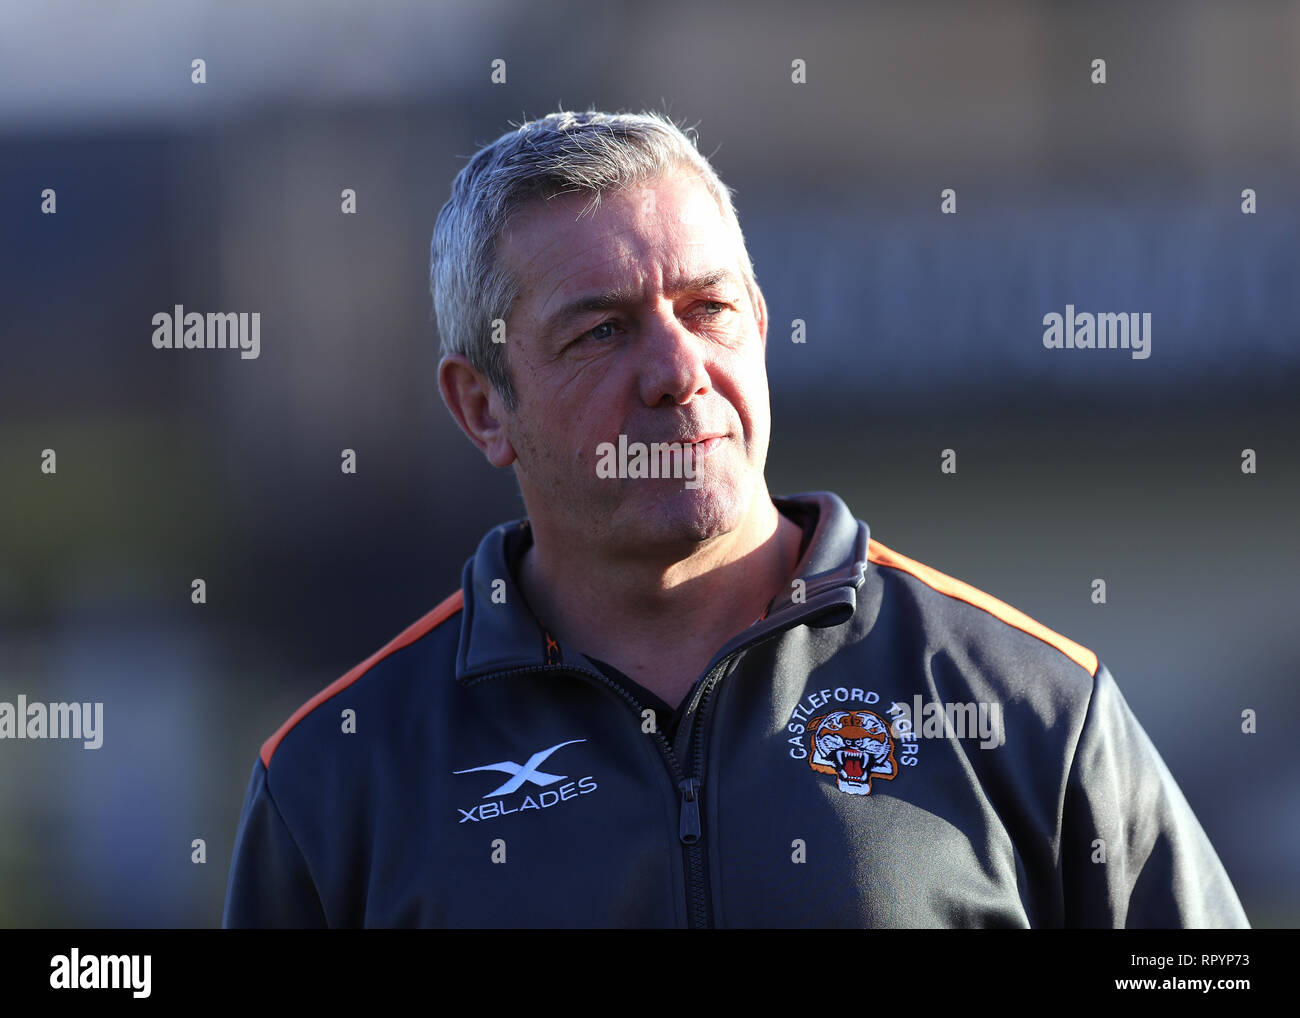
851, 763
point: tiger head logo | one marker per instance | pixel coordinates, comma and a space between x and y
855, 746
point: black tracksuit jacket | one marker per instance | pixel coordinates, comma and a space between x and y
887, 747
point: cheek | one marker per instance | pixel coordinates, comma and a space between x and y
570, 446
751, 401
750, 372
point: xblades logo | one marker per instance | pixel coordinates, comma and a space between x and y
528, 772
519, 774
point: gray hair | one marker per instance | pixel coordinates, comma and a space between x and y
560, 153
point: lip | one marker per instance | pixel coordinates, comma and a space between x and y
702, 445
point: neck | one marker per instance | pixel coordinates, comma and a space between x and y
660, 619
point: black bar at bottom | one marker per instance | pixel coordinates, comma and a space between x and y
236, 968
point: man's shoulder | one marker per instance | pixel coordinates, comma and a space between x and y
961, 621
381, 680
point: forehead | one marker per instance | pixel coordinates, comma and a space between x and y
642, 234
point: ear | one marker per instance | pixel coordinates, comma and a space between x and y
477, 408
760, 313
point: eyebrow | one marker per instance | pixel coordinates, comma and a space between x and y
624, 298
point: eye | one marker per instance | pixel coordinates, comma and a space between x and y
599, 336
596, 334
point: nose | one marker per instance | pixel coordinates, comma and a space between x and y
673, 367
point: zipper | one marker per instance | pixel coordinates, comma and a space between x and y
697, 877
690, 827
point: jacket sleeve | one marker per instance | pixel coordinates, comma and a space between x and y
270, 884
1133, 853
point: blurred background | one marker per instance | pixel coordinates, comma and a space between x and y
924, 332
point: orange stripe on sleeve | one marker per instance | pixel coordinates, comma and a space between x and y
439, 615
944, 584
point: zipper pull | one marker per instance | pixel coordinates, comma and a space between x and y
689, 831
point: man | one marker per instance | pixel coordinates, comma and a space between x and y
665, 698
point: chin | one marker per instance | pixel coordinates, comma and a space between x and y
688, 515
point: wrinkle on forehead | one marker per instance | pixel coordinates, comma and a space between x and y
637, 241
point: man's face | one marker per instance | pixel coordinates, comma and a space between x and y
672, 356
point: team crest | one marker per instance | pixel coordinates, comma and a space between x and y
853, 745
834, 732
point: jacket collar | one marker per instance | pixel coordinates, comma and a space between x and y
499, 632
